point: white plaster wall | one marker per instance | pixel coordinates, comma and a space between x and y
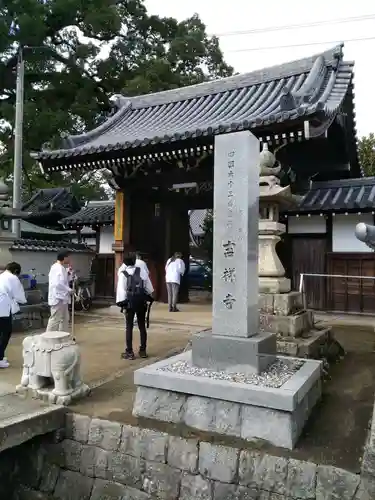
88, 237
107, 239
90, 242
42, 261
343, 237
307, 225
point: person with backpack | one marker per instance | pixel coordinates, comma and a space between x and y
139, 262
134, 292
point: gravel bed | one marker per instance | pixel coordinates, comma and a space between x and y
274, 376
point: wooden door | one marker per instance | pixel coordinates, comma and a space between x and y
104, 270
309, 256
354, 295
368, 285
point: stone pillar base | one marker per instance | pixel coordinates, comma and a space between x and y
233, 354
249, 411
274, 285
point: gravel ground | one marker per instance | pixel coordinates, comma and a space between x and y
274, 376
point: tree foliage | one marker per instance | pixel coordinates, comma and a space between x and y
79, 52
366, 151
207, 243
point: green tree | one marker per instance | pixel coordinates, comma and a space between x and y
84, 51
207, 242
366, 151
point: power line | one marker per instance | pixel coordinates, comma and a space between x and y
255, 31
308, 44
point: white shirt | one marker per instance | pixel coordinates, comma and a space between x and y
11, 294
174, 269
122, 282
138, 263
58, 285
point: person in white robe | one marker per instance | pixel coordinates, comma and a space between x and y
174, 270
59, 294
11, 295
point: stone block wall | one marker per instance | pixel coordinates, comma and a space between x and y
99, 460
368, 464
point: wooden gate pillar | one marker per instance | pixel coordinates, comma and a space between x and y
147, 235
121, 228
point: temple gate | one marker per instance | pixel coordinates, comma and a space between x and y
159, 147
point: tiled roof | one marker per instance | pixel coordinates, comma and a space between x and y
49, 200
345, 195
95, 212
49, 246
28, 227
196, 219
292, 91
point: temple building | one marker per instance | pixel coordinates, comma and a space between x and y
94, 225
159, 147
48, 206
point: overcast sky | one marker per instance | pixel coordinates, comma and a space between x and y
241, 15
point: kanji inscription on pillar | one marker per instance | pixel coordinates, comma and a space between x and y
229, 247
228, 301
236, 207
229, 274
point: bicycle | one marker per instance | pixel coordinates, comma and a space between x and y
82, 294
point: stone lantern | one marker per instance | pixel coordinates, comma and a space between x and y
272, 199
6, 215
281, 310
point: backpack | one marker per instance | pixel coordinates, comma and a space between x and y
135, 290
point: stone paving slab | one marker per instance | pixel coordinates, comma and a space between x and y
22, 419
6, 389
102, 341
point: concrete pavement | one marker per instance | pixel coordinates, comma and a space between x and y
101, 336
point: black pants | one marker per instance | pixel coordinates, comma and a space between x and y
141, 321
5, 333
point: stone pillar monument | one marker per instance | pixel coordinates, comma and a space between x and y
232, 382
235, 342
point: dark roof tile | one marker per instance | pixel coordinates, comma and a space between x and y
93, 213
51, 200
249, 101
345, 195
196, 219
49, 246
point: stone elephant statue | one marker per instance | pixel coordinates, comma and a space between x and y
51, 357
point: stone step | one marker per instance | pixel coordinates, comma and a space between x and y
293, 325
280, 304
308, 346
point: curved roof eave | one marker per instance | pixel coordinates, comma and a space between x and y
288, 92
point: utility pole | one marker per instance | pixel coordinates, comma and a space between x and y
18, 136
